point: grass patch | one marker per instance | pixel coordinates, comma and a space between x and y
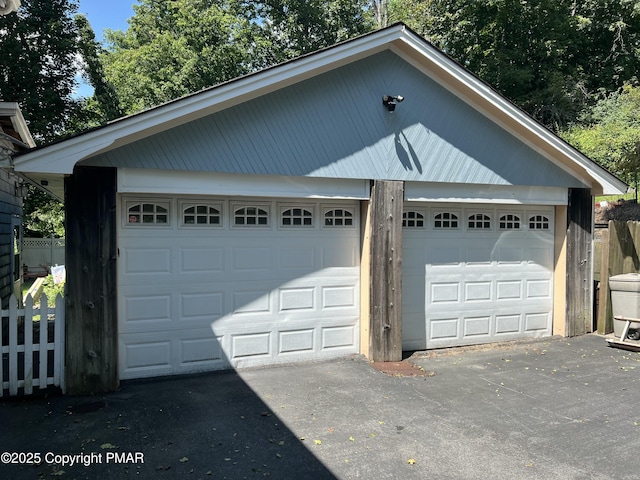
614, 198
26, 285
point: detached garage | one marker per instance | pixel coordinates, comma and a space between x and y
368, 198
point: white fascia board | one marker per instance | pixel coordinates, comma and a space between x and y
135, 180
445, 70
498, 194
62, 157
12, 110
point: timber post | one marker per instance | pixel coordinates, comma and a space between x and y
90, 301
605, 318
579, 310
386, 271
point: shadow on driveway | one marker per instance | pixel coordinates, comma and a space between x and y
205, 426
552, 409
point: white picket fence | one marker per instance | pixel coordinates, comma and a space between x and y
29, 363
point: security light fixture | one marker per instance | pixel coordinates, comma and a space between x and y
390, 101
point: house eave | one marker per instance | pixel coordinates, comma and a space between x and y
61, 157
493, 105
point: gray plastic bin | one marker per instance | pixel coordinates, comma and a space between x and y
625, 299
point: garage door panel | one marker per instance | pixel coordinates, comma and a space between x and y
476, 286
537, 322
508, 289
298, 340
339, 257
508, 324
161, 353
297, 258
477, 326
148, 261
297, 299
148, 308
236, 296
202, 260
201, 305
199, 349
339, 297
338, 337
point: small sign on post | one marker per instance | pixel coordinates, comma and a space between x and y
59, 273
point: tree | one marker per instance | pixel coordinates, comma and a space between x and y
38, 64
105, 96
609, 132
43, 216
380, 12
550, 57
300, 27
176, 47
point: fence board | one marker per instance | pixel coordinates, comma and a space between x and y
58, 337
44, 357
605, 324
2, 354
623, 257
13, 346
39, 253
28, 346
20, 346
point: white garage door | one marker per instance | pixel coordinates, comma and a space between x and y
206, 283
476, 275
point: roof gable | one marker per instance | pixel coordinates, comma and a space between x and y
374, 134
334, 125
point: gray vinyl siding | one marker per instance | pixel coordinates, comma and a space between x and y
9, 206
334, 126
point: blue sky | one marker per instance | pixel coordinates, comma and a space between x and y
103, 14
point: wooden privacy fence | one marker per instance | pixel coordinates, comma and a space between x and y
32, 340
620, 244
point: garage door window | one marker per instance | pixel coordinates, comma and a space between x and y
147, 213
412, 219
509, 222
296, 217
479, 221
445, 220
251, 216
201, 214
538, 222
338, 217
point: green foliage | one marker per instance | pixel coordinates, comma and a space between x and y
52, 290
609, 132
38, 64
301, 27
176, 47
547, 56
43, 215
104, 105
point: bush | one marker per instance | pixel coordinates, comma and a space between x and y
51, 290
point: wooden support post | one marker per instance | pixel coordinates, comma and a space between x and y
605, 323
579, 262
386, 271
91, 313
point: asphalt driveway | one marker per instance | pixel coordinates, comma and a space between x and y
548, 409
